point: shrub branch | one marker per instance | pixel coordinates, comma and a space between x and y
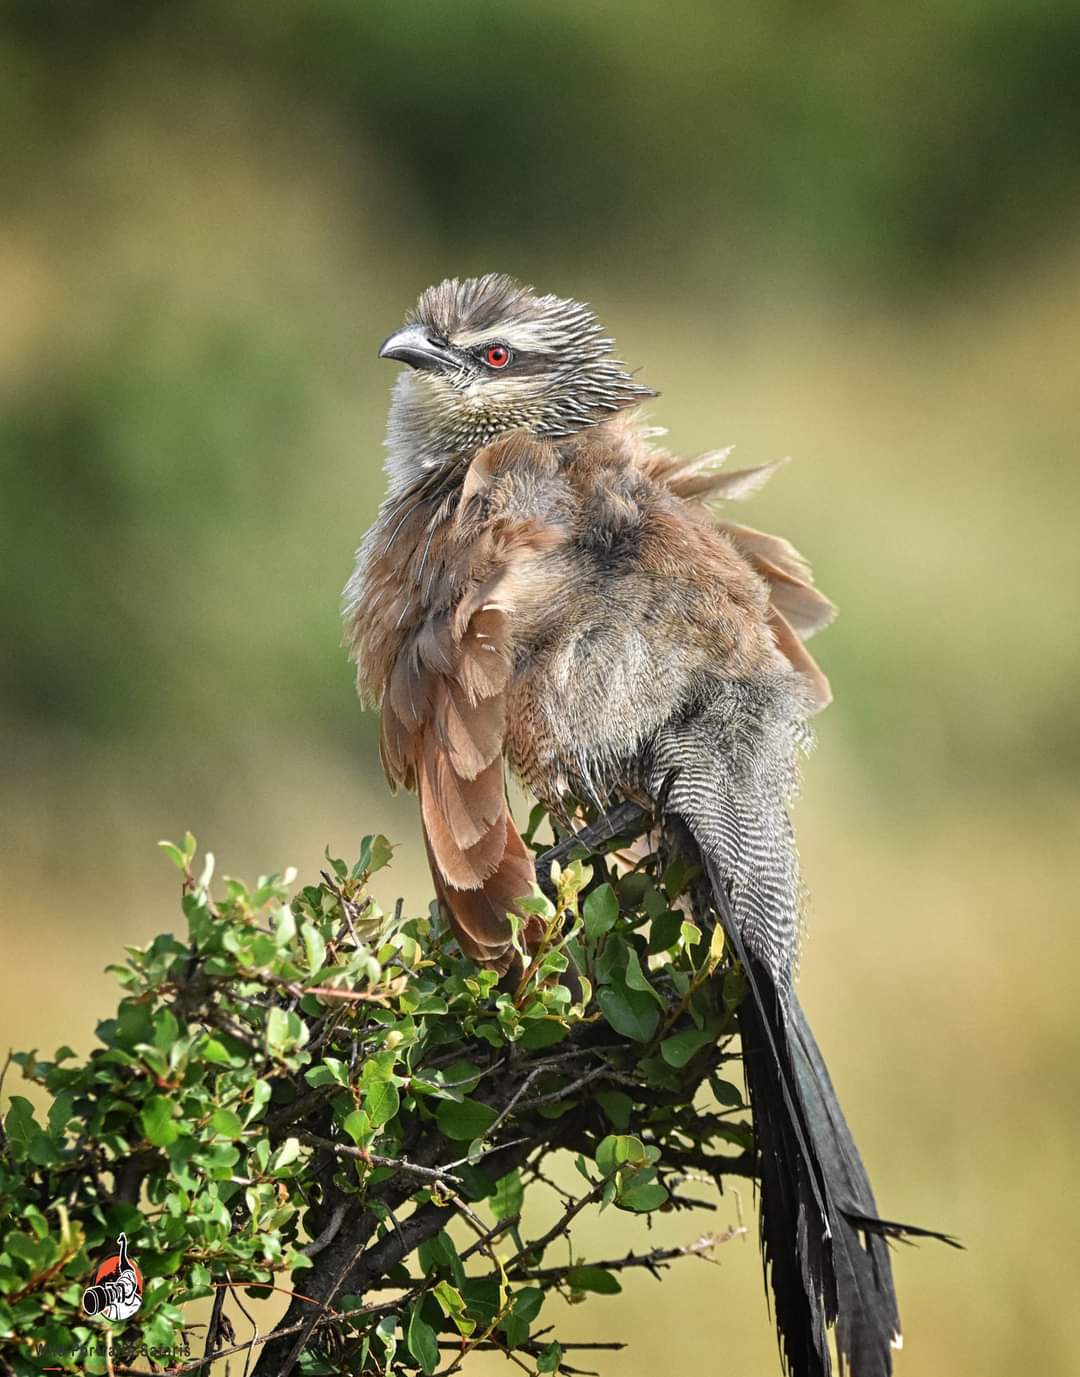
311, 1095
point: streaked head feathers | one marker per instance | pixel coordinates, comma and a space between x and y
488, 355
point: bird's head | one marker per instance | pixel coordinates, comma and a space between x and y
488, 355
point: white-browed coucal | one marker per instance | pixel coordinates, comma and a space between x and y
546, 588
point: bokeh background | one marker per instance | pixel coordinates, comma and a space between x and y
845, 233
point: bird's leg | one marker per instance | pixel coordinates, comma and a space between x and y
624, 823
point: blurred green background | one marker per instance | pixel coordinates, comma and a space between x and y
843, 233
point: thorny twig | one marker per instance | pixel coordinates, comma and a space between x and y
652, 1261
537, 1246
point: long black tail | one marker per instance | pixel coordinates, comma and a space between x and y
722, 772
823, 1244
822, 1272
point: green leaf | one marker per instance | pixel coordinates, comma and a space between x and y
157, 1121
375, 853
611, 961
161, 1332
630, 1012
550, 1359
515, 1330
362, 862
636, 979
262, 951
386, 1333
174, 853
210, 1049
166, 1029
180, 858
314, 947
465, 1121
260, 1098
461, 1075
664, 931
381, 854
632, 888
421, 1341
725, 1093
677, 877
678, 1049
642, 1198
593, 1279
285, 1155
619, 1149
617, 1106
20, 1126
358, 1126
656, 1072
228, 1124
733, 989
600, 912
284, 925
42, 1150
284, 1032
543, 1032
329, 1072
453, 1306
690, 933
382, 1102
537, 903
438, 1254
527, 1303
60, 1113
379, 1067
508, 1196
199, 1279
132, 1026
655, 903
537, 814
277, 1029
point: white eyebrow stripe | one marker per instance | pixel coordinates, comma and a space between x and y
521, 335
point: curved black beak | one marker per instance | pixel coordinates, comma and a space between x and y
413, 345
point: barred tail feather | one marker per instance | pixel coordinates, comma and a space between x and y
868, 1320
824, 1246
796, 1242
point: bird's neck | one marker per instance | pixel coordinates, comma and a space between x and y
431, 423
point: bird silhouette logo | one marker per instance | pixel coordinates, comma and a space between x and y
117, 1292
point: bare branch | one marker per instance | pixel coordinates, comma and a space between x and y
373, 1159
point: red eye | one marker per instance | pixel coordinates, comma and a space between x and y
496, 356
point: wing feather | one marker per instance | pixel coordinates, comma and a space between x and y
432, 611
797, 608
800, 658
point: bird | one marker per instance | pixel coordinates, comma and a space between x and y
548, 591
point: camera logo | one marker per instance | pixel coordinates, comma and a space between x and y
118, 1287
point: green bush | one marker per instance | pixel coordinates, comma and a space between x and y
305, 1093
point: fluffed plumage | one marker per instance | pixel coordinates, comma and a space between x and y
547, 587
